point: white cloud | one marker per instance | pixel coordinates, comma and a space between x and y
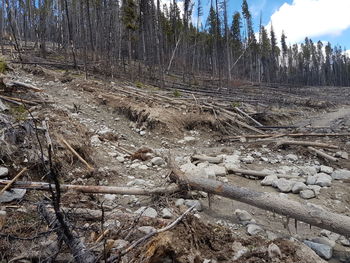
311, 18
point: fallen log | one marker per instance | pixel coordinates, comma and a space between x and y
259, 136
24, 85
94, 189
308, 213
322, 154
247, 172
308, 143
17, 100
205, 158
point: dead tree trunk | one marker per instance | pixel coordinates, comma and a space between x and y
307, 213
77, 247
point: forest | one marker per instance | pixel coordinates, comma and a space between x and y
152, 40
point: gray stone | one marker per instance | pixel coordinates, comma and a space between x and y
157, 161
3, 107
142, 133
192, 170
274, 251
315, 188
243, 215
326, 169
147, 211
311, 180
180, 202
95, 140
248, 160
143, 167
343, 155
309, 170
196, 203
344, 241
219, 170
268, 180
284, 185
324, 241
120, 244
298, 186
322, 250
3, 172
341, 174
271, 236
189, 139
11, 195
210, 173
307, 194
330, 235
323, 179
147, 229
166, 213
254, 229
291, 157
120, 159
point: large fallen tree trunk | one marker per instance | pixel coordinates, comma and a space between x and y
93, 188
308, 143
308, 213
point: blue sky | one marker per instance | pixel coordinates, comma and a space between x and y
325, 20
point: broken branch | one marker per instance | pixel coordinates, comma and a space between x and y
308, 143
70, 148
95, 189
9, 183
322, 154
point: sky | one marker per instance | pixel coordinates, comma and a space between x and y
325, 20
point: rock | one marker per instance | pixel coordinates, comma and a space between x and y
248, 160
344, 241
271, 236
120, 159
284, 185
218, 170
111, 224
157, 161
311, 180
323, 179
189, 139
322, 250
315, 188
134, 165
179, 202
309, 170
147, 211
330, 235
95, 140
324, 241
243, 215
239, 250
196, 203
307, 194
192, 170
343, 155
146, 229
166, 213
11, 195
210, 173
254, 229
143, 167
3, 172
291, 157
341, 254
274, 251
110, 197
341, 174
326, 169
268, 180
142, 133
298, 186
120, 244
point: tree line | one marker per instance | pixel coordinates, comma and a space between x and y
156, 39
